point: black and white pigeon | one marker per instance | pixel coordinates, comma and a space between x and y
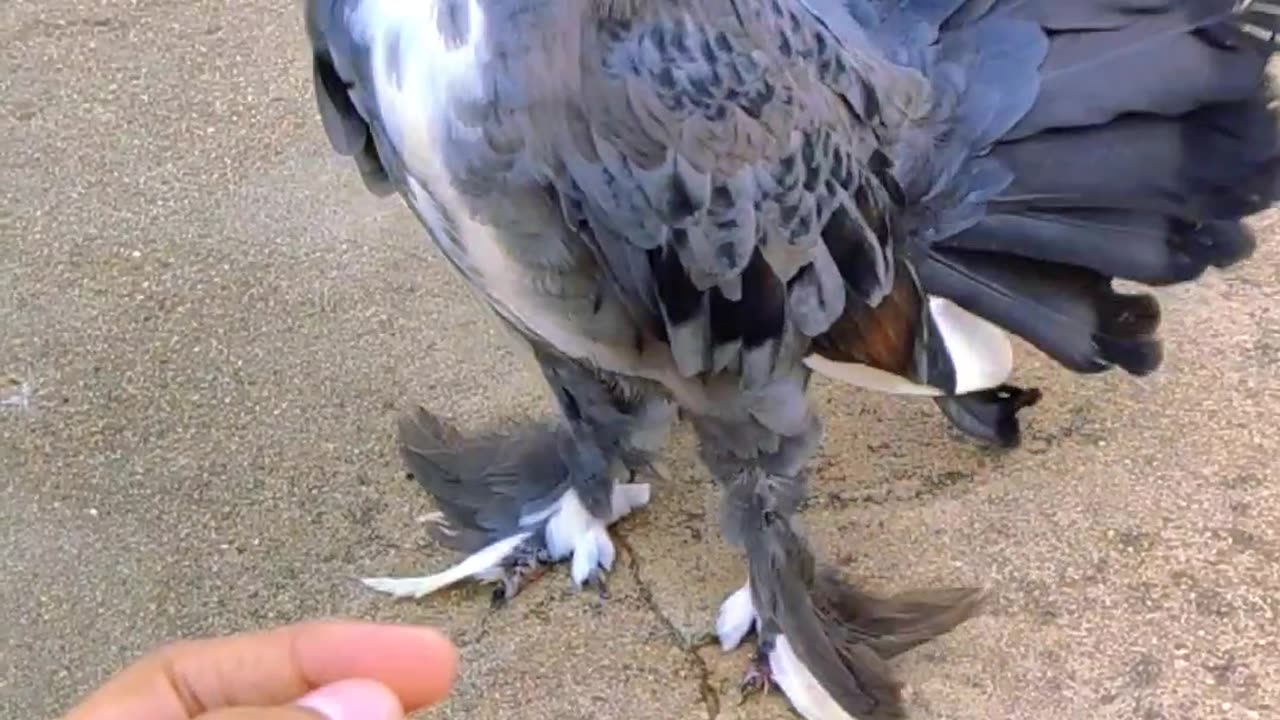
690, 206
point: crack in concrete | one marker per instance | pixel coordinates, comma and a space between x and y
479, 632
710, 696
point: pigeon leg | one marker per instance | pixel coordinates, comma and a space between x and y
520, 502
614, 425
529, 562
822, 643
737, 619
759, 675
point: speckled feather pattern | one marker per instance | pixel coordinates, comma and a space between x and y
723, 140
701, 201
717, 140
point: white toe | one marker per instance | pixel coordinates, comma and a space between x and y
586, 557
567, 525
736, 618
573, 531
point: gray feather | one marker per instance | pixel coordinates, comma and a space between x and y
690, 189
817, 295
890, 625
782, 572
1152, 67
1128, 141
483, 485
493, 484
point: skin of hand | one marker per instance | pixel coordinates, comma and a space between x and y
324, 670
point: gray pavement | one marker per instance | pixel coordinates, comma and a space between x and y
207, 329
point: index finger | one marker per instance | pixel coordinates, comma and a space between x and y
274, 667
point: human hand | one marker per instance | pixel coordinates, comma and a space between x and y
310, 671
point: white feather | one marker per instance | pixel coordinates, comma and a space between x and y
480, 565
865, 376
980, 352
736, 618
416, 87
800, 686
628, 497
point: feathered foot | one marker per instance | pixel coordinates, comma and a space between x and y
759, 675
568, 533
511, 503
862, 631
529, 562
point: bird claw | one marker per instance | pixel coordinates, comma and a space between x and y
597, 578
520, 569
759, 676
587, 547
565, 532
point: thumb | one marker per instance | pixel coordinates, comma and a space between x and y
343, 700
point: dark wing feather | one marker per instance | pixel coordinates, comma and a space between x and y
1129, 144
724, 167
348, 131
766, 206
889, 625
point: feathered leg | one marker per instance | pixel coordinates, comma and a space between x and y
519, 502
822, 642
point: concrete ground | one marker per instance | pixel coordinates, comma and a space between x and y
207, 329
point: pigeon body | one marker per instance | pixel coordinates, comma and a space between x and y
693, 206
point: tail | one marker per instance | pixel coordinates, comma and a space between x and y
1147, 140
1071, 145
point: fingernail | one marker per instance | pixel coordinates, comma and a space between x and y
354, 700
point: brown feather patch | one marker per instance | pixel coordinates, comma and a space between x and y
883, 337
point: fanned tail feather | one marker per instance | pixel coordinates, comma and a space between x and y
1075, 144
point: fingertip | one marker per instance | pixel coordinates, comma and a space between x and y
419, 664
441, 673
355, 699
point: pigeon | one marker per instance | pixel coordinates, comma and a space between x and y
684, 210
